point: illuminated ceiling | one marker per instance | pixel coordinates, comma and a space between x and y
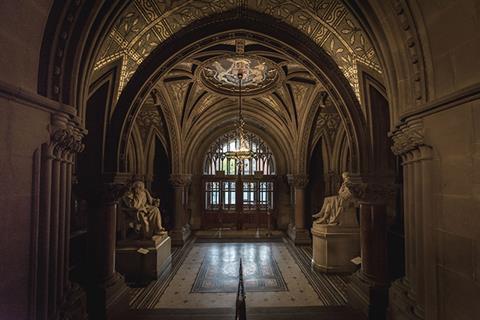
145, 24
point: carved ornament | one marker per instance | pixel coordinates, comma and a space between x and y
408, 137
180, 179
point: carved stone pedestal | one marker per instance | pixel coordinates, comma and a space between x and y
402, 305
299, 235
142, 261
334, 246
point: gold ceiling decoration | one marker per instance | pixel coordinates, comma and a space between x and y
146, 23
220, 74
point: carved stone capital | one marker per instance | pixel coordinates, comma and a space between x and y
179, 180
299, 181
66, 135
368, 190
408, 137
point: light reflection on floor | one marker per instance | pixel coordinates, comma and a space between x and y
286, 286
219, 271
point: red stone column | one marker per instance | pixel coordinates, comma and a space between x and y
298, 232
368, 290
181, 231
107, 289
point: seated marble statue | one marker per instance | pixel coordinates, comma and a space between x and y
339, 209
145, 207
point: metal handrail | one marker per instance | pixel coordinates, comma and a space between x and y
241, 306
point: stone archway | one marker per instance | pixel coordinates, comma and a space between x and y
228, 26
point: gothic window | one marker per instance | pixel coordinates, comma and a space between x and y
219, 159
223, 192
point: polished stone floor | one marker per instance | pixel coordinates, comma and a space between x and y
219, 270
204, 274
209, 277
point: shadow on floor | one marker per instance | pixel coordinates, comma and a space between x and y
277, 313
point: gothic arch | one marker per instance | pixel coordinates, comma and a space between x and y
227, 26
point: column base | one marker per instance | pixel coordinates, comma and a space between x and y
402, 304
109, 299
368, 296
180, 236
299, 236
75, 305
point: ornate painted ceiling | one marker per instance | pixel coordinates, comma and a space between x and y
145, 24
281, 108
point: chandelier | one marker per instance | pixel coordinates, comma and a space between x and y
242, 150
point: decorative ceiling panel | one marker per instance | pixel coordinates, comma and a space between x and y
146, 23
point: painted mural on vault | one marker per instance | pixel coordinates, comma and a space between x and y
221, 74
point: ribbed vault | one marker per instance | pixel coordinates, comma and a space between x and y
292, 109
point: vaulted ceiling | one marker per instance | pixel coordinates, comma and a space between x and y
293, 108
144, 24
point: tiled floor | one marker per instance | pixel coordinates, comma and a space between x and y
295, 291
184, 286
281, 283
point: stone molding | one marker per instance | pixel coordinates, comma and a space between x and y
180, 180
33, 100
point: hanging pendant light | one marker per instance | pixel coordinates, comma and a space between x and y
242, 150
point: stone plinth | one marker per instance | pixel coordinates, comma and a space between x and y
334, 246
141, 261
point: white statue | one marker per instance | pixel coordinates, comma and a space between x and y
339, 209
145, 207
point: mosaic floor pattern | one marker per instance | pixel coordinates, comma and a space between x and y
219, 270
281, 275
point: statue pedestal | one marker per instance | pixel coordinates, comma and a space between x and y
142, 261
334, 246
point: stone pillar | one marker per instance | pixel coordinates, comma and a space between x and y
368, 289
181, 231
297, 231
55, 295
415, 295
107, 289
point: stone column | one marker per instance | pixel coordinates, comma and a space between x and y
368, 289
181, 231
298, 232
56, 297
415, 295
107, 289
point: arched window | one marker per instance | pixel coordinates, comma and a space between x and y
233, 202
218, 159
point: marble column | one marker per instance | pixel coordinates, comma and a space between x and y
181, 231
298, 231
368, 289
415, 295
